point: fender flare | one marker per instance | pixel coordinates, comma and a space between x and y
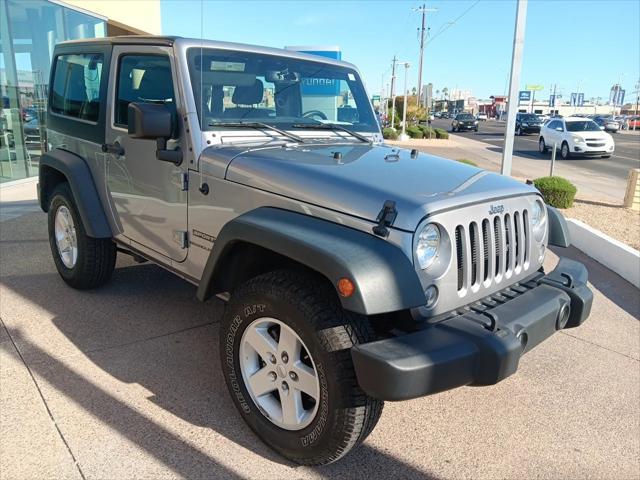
558, 228
385, 278
78, 174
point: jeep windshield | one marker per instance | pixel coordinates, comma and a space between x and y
230, 87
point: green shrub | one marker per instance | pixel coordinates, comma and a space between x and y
467, 161
390, 134
556, 191
414, 132
427, 131
440, 133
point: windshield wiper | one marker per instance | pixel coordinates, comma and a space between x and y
292, 136
332, 126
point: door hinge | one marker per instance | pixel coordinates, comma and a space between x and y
181, 238
184, 181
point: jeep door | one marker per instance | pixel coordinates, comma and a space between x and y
149, 195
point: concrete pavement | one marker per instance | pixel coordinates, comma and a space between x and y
124, 382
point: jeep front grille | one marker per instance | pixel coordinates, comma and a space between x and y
492, 249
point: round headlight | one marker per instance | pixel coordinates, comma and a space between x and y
538, 220
428, 245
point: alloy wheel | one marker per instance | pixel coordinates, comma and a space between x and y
279, 373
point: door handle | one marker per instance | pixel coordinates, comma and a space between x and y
114, 148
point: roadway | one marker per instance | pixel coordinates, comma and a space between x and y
627, 153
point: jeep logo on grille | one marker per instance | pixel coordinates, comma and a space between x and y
494, 209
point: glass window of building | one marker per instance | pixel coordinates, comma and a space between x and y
29, 31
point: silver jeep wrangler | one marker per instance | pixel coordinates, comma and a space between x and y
354, 272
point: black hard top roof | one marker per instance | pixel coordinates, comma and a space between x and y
124, 39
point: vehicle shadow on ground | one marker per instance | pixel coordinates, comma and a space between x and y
610, 284
146, 327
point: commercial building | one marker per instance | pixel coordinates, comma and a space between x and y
29, 31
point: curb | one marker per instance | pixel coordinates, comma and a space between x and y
613, 254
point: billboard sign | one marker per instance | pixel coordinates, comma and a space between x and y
535, 88
580, 99
620, 98
574, 99
524, 96
322, 87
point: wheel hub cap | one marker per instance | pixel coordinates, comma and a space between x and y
287, 392
66, 240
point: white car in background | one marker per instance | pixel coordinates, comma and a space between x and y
482, 117
575, 136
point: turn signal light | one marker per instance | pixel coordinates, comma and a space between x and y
346, 287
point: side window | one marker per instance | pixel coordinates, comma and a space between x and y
76, 86
142, 78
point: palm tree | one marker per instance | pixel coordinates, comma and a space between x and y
437, 93
445, 92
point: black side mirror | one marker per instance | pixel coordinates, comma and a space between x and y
155, 122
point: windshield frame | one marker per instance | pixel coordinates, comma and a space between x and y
349, 74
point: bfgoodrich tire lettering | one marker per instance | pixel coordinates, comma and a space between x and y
96, 257
308, 305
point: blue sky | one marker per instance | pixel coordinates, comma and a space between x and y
567, 42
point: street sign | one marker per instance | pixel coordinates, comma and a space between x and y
535, 88
574, 99
524, 96
580, 99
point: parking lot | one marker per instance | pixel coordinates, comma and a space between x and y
608, 171
124, 382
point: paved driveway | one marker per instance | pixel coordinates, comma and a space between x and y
124, 382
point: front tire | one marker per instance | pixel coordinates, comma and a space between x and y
265, 317
519, 131
542, 146
83, 262
565, 154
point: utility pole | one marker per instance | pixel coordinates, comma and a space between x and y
393, 94
514, 85
423, 9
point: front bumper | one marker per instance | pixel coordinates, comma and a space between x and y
602, 148
480, 345
530, 129
467, 126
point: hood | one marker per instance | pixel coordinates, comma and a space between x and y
363, 178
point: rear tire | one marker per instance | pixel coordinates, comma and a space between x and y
308, 306
83, 262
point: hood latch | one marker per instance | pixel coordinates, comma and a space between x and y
385, 218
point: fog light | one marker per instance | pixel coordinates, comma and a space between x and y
431, 294
563, 316
577, 149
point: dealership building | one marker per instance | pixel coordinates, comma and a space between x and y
29, 31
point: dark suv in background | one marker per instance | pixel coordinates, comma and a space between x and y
464, 121
527, 123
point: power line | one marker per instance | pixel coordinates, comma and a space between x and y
448, 25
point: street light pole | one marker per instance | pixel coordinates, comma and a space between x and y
514, 84
403, 136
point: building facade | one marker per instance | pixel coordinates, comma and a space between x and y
29, 31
